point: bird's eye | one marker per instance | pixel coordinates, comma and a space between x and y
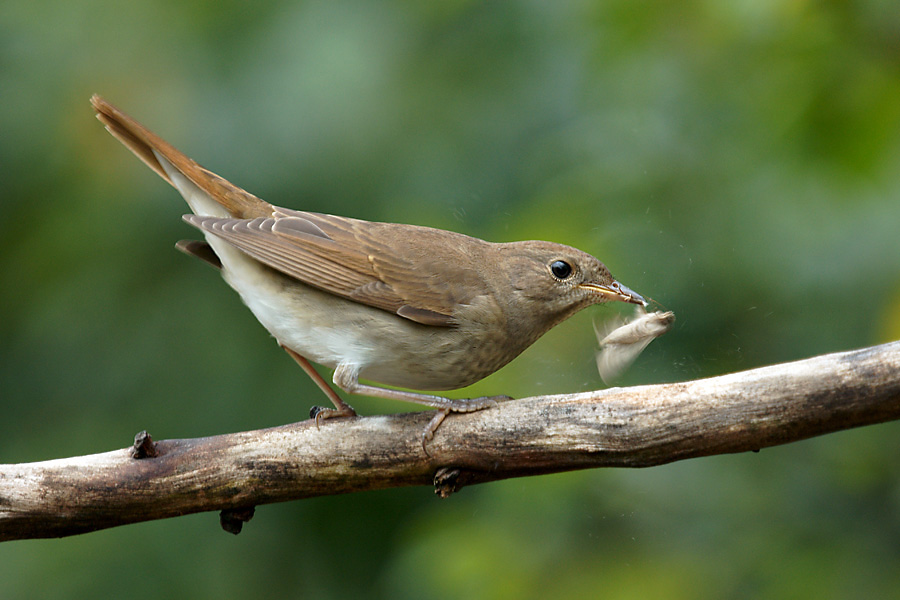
560, 269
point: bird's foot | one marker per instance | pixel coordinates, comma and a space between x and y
320, 413
461, 406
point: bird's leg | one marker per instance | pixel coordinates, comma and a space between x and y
346, 377
341, 408
432, 426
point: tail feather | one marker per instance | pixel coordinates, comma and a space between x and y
154, 151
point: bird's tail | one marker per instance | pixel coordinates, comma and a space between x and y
173, 166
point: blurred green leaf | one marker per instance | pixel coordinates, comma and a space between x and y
736, 162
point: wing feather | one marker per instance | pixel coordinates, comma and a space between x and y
370, 263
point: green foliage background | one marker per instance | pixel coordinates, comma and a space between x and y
739, 162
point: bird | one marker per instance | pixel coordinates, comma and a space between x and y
391, 304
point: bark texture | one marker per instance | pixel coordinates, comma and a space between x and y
619, 427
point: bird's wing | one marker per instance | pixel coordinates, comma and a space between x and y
371, 263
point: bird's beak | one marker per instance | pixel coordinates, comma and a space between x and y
615, 291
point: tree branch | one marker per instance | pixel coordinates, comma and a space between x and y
619, 427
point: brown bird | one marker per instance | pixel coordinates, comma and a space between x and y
400, 305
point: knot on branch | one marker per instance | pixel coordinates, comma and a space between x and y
143, 446
233, 519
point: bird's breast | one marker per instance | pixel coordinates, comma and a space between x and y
388, 349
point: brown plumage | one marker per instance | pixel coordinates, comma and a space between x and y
397, 304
